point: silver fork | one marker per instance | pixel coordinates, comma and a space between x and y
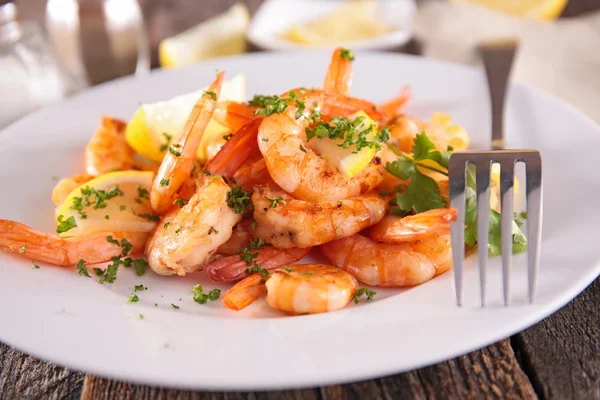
497, 57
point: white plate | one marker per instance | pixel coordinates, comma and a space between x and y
73, 321
275, 16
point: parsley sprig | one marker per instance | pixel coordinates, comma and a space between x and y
421, 193
363, 291
269, 105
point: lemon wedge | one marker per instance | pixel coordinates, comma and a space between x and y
153, 125
114, 202
354, 20
222, 35
535, 9
349, 163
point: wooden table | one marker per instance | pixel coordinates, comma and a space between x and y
558, 358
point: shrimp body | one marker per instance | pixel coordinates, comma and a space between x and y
252, 174
235, 151
296, 223
179, 161
301, 172
93, 248
186, 238
383, 264
233, 114
233, 268
107, 150
297, 289
396, 229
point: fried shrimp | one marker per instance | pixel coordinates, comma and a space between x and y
297, 289
383, 264
286, 222
93, 248
301, 172
186, 238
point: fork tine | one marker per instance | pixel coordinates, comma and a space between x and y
507, 208
483, 221
533, 165
457, 171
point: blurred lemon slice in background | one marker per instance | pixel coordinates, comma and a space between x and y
222, 35
113, 202
153, 125
352, 21
536, 9
349, 163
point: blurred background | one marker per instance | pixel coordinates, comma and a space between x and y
50, 49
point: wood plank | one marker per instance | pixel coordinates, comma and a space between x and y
96, 388
489, 373
561, 353
26, 377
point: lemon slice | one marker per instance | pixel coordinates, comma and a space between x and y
113, 202
354, 20
536, 9
349, 163
222, 35
152, 125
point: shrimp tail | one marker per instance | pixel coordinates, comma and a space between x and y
245, 292
93, 248
235, 151
394, 106
339, 74
233, 268
21, 239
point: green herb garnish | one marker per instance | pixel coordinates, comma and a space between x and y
239, 199
274, 202
81, 269
203, 298
364, 291
133, 298
347, 54
65, 225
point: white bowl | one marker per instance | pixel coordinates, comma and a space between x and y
275, 16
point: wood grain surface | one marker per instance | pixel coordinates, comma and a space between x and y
559, 358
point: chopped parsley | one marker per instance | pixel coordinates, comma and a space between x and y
210, 94
269, 105
165, 182
274, 202
227, 137
264, 139
143, 193
150, 217
350, 132
141, 316
133, 298
139, 288
257, 270
65, 225
364, 291
180, 202
168, 138
239, 199
22, 249
175, 306
98, 271
288, 269
34, 265
166, 225
172, 150
81, 269
107, 216
140, 265
246, 254
212, 230
347, 54
523, 214
202, 298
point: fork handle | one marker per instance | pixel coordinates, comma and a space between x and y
498, 59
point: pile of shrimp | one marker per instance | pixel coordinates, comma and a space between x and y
291, 201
